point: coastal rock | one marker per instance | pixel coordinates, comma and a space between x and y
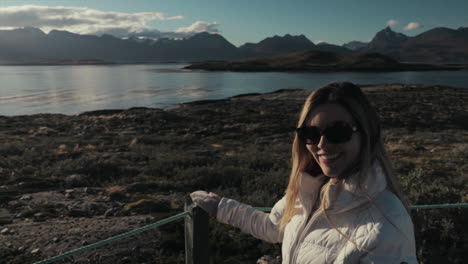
110, 212
69, 194
5, 217
133, 156
117, 192
76, 180
145, 206
6, 195
39, 216
26, 198
27, 212
5, 221
42, 131
142, 187
78, 212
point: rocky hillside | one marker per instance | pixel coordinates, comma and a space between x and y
278, 45
438, 45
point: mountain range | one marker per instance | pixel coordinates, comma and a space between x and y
31, 45
438, 45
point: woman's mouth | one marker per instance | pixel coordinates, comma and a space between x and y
329, 157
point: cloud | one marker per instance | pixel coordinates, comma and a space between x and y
392, 22
81, 20
413, 25
199, 26
183, 32
156, 34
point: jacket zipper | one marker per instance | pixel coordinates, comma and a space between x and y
294, 251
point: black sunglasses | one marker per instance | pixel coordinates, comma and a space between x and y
339, 132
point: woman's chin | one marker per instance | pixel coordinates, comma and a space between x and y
331, 173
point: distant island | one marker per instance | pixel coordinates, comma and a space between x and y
320, 61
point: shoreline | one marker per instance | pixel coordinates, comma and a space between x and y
90, 62
215, 67
204, 101
211, 66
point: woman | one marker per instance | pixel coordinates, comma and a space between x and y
342, 203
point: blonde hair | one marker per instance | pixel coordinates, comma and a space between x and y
352, 99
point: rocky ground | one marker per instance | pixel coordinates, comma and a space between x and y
68, 181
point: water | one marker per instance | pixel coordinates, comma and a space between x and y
75, 89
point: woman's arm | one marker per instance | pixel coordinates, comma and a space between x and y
391, 240
390, 249
251, 221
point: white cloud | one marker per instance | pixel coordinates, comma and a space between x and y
392, 22
183, 32
199, 26
156, 34
413, 25
174, 17
80, 20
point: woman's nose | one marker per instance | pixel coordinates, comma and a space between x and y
322, 143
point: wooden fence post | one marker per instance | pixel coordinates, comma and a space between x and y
196, 234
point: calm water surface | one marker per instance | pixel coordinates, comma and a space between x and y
75, 89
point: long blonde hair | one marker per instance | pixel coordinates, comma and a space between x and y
352, 99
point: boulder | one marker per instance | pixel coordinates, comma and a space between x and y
78, 211
117, 192
146, 206
5, 217
76, 180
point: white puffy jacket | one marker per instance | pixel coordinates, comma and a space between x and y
378, 224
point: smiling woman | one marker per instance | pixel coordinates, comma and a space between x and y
342, 203
337, 147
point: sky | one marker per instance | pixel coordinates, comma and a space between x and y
239, 21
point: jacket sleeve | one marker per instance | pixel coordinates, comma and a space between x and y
252, 221
388, 244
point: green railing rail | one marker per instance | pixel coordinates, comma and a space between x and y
196, 235
112, 239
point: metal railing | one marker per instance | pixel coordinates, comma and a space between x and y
196, 229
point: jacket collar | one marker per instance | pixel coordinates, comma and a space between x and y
352, 193
344, 195
310, 190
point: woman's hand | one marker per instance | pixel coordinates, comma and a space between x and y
207, 201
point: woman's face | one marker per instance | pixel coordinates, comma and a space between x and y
333, 159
